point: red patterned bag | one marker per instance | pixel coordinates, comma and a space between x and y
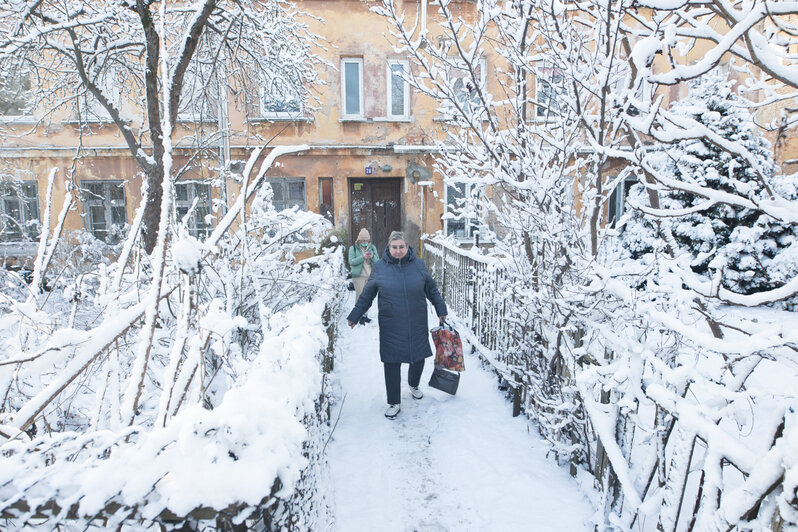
448, 348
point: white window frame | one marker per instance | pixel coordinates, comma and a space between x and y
209, 108
361, 112
405, 88
13, 192
482, 64
644, 94
91, 109
455, 76
616, 203
198, 225
106, 202
470, 225
89, 106
28, 94
299, 113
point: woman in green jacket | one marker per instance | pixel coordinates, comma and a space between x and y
362, 256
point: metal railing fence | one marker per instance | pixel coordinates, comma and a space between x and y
502, 330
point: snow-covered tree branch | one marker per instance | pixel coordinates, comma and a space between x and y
104, 61
643, 335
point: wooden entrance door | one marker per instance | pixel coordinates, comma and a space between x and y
375, 204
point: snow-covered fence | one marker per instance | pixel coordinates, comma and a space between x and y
257, 454
481, 291
471, 285
655, 415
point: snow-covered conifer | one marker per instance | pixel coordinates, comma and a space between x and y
744, 245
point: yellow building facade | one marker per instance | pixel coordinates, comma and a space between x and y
369, 161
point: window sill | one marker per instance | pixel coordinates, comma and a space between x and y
22, 120
377, 119
400, 119
542, 120
452, 119
90, 121
260, 119
191, 120
18, 249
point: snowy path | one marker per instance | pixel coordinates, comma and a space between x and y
446, 463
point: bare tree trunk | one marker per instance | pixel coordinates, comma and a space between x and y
152, 209
155, 174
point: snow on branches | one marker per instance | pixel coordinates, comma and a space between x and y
232, 314
144, 66
663, 371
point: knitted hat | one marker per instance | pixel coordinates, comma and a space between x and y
363, 234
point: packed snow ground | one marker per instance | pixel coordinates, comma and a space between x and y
446, 463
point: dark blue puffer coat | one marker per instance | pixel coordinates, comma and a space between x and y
404, 285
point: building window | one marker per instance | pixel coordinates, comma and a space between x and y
19, 216
617, 202
352, 88
644, 95
549, 91
288, 192
398, 89
16, 96
465, 91
326, 207
199, 223
456, 223
104, 209
199, 96
279, 98
89, 109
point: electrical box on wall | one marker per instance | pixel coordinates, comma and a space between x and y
415, 172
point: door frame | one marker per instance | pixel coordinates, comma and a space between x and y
352, 230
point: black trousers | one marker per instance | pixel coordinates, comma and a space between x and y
393, 379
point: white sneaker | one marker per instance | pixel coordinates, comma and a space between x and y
392, 411
416, 393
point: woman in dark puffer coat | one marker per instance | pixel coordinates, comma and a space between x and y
403, 283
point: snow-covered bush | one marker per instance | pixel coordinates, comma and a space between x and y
237, 323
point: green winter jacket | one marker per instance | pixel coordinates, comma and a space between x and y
356, 258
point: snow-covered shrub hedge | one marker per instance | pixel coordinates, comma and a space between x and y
226, 417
